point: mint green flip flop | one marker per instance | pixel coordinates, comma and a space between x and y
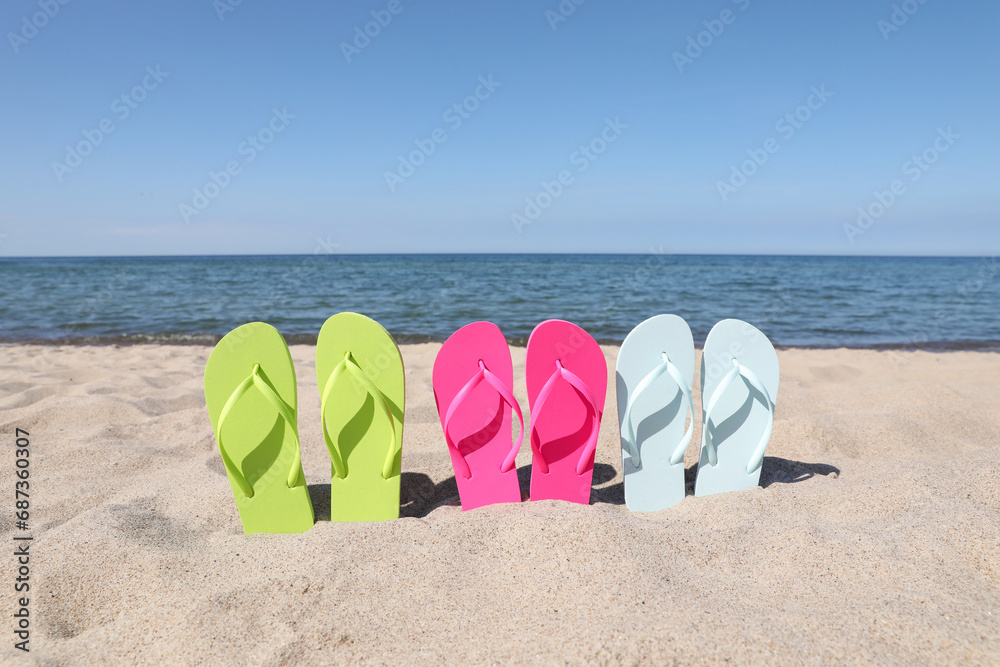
654, 374
739, 387
251, 398
359, 371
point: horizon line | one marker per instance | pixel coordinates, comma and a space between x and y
512, 254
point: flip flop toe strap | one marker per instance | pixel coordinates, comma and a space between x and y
355, 371
739, 370
483, 374
628, 430
257, 380
581, 387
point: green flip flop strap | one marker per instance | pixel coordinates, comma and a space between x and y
366, 382
255, 379
739, 370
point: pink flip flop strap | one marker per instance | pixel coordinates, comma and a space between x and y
508, 398
574, 380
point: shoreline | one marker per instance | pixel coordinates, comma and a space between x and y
210, 340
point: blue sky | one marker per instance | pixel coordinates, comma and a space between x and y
728, 126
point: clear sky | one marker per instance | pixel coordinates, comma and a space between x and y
729, 126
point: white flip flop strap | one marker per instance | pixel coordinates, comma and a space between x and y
666, 366
739, 370
758, 456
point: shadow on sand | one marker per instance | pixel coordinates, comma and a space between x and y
419, 495
774, 471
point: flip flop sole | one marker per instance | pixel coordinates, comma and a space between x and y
562, 430
482, 427
740, 417
258, 440
356, 421
658, 415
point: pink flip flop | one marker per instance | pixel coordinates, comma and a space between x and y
567, 378
472, 378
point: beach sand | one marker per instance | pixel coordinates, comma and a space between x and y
874, 536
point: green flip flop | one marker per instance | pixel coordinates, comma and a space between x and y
359, 371
251, 397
